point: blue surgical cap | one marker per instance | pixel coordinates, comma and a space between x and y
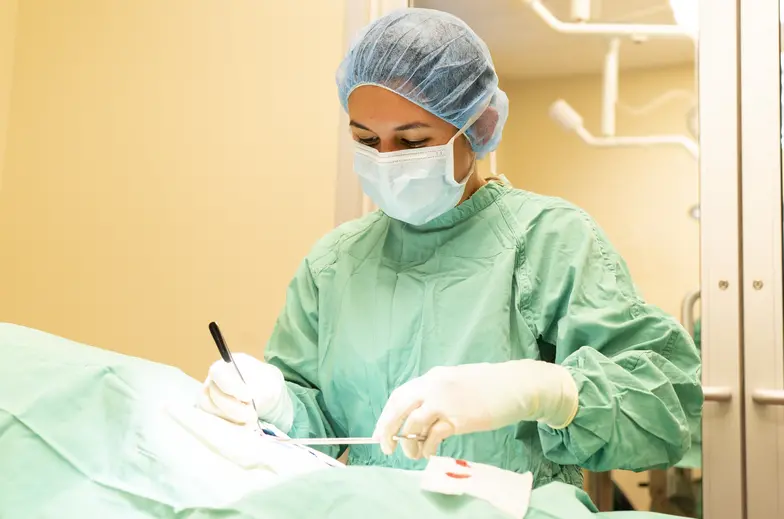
436, 61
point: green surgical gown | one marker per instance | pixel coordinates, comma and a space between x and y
506, 275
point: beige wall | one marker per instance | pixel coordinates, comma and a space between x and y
7, 38
168, 163
640, 196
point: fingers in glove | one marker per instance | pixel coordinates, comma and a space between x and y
418, 423
440, 431
226, 378
401, 403
205, 403
227, 406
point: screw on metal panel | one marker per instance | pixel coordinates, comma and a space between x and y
724, 285
757, 284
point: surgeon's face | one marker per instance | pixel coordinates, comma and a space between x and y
388, 122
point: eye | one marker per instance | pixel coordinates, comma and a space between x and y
370, 141
415, 144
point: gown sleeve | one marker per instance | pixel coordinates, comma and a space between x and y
293, 348
636, 369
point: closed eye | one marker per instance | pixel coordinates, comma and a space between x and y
414, 144
372, 141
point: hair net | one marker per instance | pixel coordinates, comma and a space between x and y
436, 61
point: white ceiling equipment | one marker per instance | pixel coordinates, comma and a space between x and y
524, 47
570, 120
636, 31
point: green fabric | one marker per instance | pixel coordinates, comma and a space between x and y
392, 494
632, 515
506, 275
82, 435
693, 458
76, 434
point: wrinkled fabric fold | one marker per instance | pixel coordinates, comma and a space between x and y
506, 275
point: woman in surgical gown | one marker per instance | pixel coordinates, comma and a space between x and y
499, 324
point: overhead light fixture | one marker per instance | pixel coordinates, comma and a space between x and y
687, 14
581, 10
637, 32
568, 118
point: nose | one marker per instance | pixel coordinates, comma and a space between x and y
388, 145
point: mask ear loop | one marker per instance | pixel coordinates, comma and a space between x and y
462, 131
472, 170
471, 120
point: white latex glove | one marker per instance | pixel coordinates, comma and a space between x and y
225, 395
473, 398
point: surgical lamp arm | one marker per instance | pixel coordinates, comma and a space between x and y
570, 120
643, 141
630, 30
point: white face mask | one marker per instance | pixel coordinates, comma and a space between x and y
413, 186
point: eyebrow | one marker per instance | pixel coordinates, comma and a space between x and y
409, 126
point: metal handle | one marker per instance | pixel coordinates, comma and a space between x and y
687, 310
717, 394
768, 397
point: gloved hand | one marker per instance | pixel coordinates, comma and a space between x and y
225, 395
473, 398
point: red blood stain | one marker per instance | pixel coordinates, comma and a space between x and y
462, 463
457, 476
